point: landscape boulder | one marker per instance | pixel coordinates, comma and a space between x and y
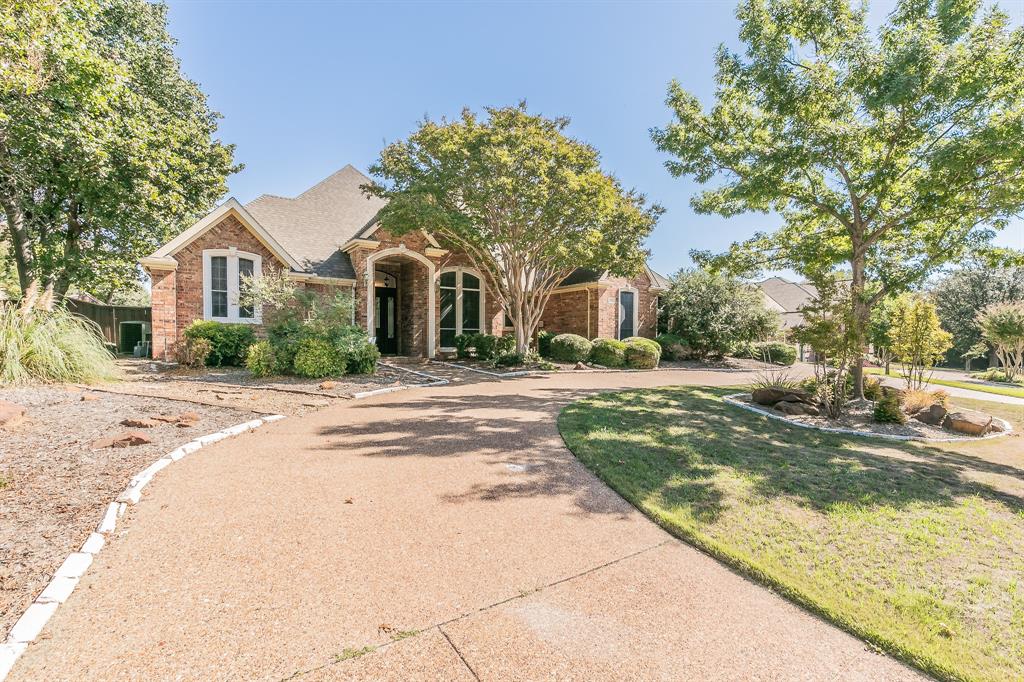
10, 413
973, 423
796, 409
327, 385
933, 415
769, 395
122, 440
140, 422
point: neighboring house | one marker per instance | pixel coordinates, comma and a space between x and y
787, 299
412, 295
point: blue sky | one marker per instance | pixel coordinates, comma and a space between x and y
307, 87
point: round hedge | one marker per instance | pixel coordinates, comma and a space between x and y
642, 353
570, 348
608, 353
672, 347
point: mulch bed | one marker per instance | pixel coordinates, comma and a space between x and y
54, 487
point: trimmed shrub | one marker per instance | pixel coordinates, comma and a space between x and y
504, 345
43, 343
192, 352
363, 359
230, 341
510, 360
260, 359
888, 411
672, 347
462, 345
317, 358
642, 353
608, 353
570, 348
544, 343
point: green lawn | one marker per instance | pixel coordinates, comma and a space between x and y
1015, 391
918, 548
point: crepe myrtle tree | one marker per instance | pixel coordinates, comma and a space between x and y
888, 153
106, 148
527, 203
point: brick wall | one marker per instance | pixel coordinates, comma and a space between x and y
594, 312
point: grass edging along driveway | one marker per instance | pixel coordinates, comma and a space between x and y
1012, 391
916, 548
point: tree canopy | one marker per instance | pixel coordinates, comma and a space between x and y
527, 203
889, 153
962, 294
106, 149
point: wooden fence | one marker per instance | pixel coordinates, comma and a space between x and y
111, 320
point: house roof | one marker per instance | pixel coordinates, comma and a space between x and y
313, 226
787, 298
588, 276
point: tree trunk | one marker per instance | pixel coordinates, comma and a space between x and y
20, 248
861, 320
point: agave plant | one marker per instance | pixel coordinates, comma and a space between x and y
41, 341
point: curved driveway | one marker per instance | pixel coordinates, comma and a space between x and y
449, 525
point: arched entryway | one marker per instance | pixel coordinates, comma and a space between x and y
400, 302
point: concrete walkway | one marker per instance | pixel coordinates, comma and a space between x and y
449, 525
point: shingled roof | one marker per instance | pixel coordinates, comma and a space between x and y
313, 226
787, 298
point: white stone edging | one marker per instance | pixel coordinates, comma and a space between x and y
65, 579
500, 375
732, 399
434, 381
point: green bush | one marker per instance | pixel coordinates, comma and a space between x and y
462, 345
642, 353
192, 352
888, 411
608, 353
317, 358
504, 345
260, 359
43, 344
570, 348
510, 360
775, 352
230, 341
363, 359
672, 347
544, 343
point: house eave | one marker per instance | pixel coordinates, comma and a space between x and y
151, 263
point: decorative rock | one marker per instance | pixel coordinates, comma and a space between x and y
580, 365
89, 397
121, 440
165, 418
327, 385
997, 426
933, 415
793, 409
974, 423
769, 395
184, 424
188, 417
140, 423
10, 413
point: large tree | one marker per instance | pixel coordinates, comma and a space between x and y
888, 153
963, 293
106, 149
524, 201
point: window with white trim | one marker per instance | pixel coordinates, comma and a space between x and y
462, 304
224, 274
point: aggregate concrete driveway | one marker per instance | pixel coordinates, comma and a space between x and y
449, 525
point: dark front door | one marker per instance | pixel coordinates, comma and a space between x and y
385, 306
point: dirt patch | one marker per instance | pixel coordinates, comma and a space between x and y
54, 487
236, 387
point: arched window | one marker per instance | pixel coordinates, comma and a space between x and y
462, 304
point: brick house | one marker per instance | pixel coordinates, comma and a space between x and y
412, 295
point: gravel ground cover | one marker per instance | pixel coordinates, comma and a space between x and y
54, 487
